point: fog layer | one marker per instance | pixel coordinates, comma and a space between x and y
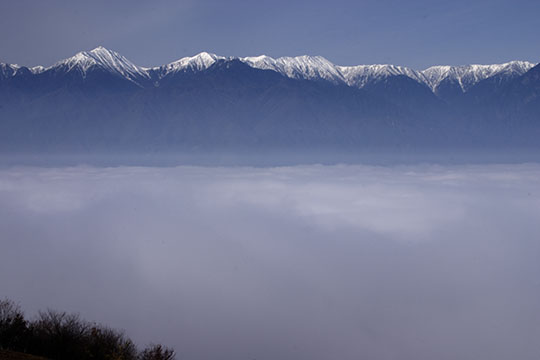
304, 262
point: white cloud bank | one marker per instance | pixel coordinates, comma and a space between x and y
306, 262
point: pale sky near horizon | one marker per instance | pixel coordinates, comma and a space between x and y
416, 33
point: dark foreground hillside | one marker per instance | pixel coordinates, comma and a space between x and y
61, 336
13, 355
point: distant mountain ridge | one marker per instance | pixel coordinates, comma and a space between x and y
99, 100
300, 67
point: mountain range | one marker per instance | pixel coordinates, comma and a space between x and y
100, 101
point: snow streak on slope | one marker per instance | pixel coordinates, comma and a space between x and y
8, 70
361, 75
469, 75
300, 67
319, 68
102, 58
198, 62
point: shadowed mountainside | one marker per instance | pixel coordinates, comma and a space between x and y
84, 105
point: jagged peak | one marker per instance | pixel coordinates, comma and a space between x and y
469, 75
199, 62
360, 75
512, 63
12, 69
101, 49
257, 59
37, 69
8, 70
100, 57
11, 66
299, 67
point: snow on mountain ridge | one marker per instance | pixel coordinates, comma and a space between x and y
360, 75
100, 57
317, 67
8, 70
199, 62
37, 69
469, 75
300, 67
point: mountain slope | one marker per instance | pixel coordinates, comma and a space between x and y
100, 101
361, 75
450, 81
300, 67
442, 80
103, 59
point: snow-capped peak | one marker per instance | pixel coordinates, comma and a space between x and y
468, 75
300, 67
8, 70
37, 69
317, 67
199, 62
360, 75
101, 57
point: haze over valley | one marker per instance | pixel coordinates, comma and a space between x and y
285, 180
302, 262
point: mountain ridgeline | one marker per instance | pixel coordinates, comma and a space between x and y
98, 101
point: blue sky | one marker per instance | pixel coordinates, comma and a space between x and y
415, 33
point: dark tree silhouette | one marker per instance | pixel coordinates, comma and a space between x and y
62, 336
13, 327
157, 352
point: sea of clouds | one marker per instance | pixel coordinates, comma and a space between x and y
303, 262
